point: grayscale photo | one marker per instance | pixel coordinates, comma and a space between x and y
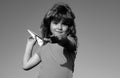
59, 39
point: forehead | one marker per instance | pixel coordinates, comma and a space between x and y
62, 19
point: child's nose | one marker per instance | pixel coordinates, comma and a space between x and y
59, 26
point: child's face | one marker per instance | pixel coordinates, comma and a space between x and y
58, 29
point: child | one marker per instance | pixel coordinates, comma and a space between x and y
57, 54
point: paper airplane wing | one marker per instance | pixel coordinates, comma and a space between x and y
31, 33
39, 39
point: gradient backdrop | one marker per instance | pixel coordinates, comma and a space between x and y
98, 30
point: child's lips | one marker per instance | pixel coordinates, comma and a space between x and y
59, 31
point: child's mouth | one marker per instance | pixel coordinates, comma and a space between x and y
59, 31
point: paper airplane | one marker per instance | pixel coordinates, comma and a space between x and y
39, 39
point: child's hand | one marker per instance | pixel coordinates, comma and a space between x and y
46, 39
60, 37
31, 40
54, 39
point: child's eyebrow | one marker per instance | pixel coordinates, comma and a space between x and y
56, 20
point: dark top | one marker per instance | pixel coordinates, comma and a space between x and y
57, 61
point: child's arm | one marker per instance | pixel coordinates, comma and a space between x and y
67, 42
29, 60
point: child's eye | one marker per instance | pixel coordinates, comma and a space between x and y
64, 25
55, 22
67, 22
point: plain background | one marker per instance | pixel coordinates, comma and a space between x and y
98, 31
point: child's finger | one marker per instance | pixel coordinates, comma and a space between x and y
30, 38
52, 35
46, 39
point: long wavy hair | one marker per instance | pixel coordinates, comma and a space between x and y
60, 11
